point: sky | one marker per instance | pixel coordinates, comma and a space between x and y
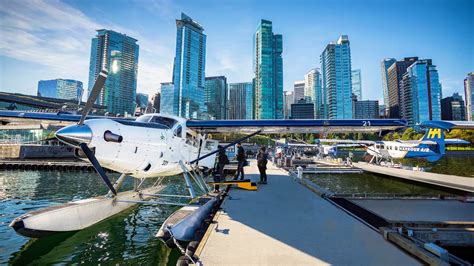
51, 39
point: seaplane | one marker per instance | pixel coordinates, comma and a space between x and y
151, 146
432, 146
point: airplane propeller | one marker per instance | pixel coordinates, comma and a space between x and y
80, 135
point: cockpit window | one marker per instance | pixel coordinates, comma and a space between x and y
178, 131
143, 118
169, 122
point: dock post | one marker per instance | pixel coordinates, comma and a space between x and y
300, 172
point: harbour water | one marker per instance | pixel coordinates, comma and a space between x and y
128, 238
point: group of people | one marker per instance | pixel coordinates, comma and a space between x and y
222, 160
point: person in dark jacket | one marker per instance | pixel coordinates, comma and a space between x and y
240, 162
222, 160
262, 159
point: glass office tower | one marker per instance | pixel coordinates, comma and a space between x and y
215, 97
168, 99
313, 91
384, 65
469, 94
118, 54
67, 89
337, 81
356, 84
268, 70
241, 100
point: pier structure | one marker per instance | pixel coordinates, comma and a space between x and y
285, 223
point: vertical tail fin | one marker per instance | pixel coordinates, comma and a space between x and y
436, 135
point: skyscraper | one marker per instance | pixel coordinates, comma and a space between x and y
314, 92
241, 100
215, 96
384, 65
302, 110
469, 94
168, 99
189, 69
337, 83
356, 84
268, 70
289, 100
394, 76
118, 54
67, 89
452, 108
421, 93
298, 90
366, 109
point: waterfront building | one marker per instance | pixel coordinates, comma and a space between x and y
215, 96
356, 83
314, 92
188, 71
298, 90
67, 89
384, 65
302, 110
366, 109
394, 75
268, 71
289, 100
168, 99
118, 54
337, 85
469, 94
240, 100
452, 108
421, 93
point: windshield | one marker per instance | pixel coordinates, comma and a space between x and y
169, 122
143, 118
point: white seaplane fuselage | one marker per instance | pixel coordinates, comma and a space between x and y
395, 149
149, 151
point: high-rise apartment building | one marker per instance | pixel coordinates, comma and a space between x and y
337, 83
313, 91
469, 94
384, 65
268, 70
394, 76
240, 100
298, 90
452, 108
118, 54
421, 93
67, 89
356, 83
188, 71
215, 96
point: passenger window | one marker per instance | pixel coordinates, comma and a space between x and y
396, 148
178, 131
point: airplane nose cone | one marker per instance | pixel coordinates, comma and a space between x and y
75, 134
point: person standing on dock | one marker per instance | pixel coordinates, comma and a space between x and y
262, 160
240, 162
222, 160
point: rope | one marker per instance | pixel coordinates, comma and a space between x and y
183, 251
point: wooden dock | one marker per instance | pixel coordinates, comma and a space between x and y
284, 223
45, 164
449, 181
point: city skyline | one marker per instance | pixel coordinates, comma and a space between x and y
229, 54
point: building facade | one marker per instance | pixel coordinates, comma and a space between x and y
356, 83
215, 97
366, 109
384, 65
337, 84
452, 108
67, 89
469, 94
289, 100
268, 71
298, 90
302, 110
314, 92
240, 101
394, 75
421, 93
155, 101
118, 54
188, 69
168, 99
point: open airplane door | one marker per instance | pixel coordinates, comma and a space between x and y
209, 146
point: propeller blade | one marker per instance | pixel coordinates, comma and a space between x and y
90, 155
225, 147
98, 85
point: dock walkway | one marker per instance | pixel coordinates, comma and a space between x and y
284, 223
450, 181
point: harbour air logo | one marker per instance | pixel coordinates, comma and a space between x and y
414, 149
434, 132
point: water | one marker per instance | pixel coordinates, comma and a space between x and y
127, 238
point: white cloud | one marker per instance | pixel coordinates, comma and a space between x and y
58, 36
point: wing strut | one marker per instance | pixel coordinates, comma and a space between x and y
226, 146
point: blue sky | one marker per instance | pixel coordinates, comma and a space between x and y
51, 39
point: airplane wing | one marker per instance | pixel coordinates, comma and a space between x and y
347, 141
448, 125
9, 116
455, 141
295, 125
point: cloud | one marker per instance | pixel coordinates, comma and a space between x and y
58, 36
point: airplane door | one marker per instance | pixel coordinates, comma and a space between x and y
208, 146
